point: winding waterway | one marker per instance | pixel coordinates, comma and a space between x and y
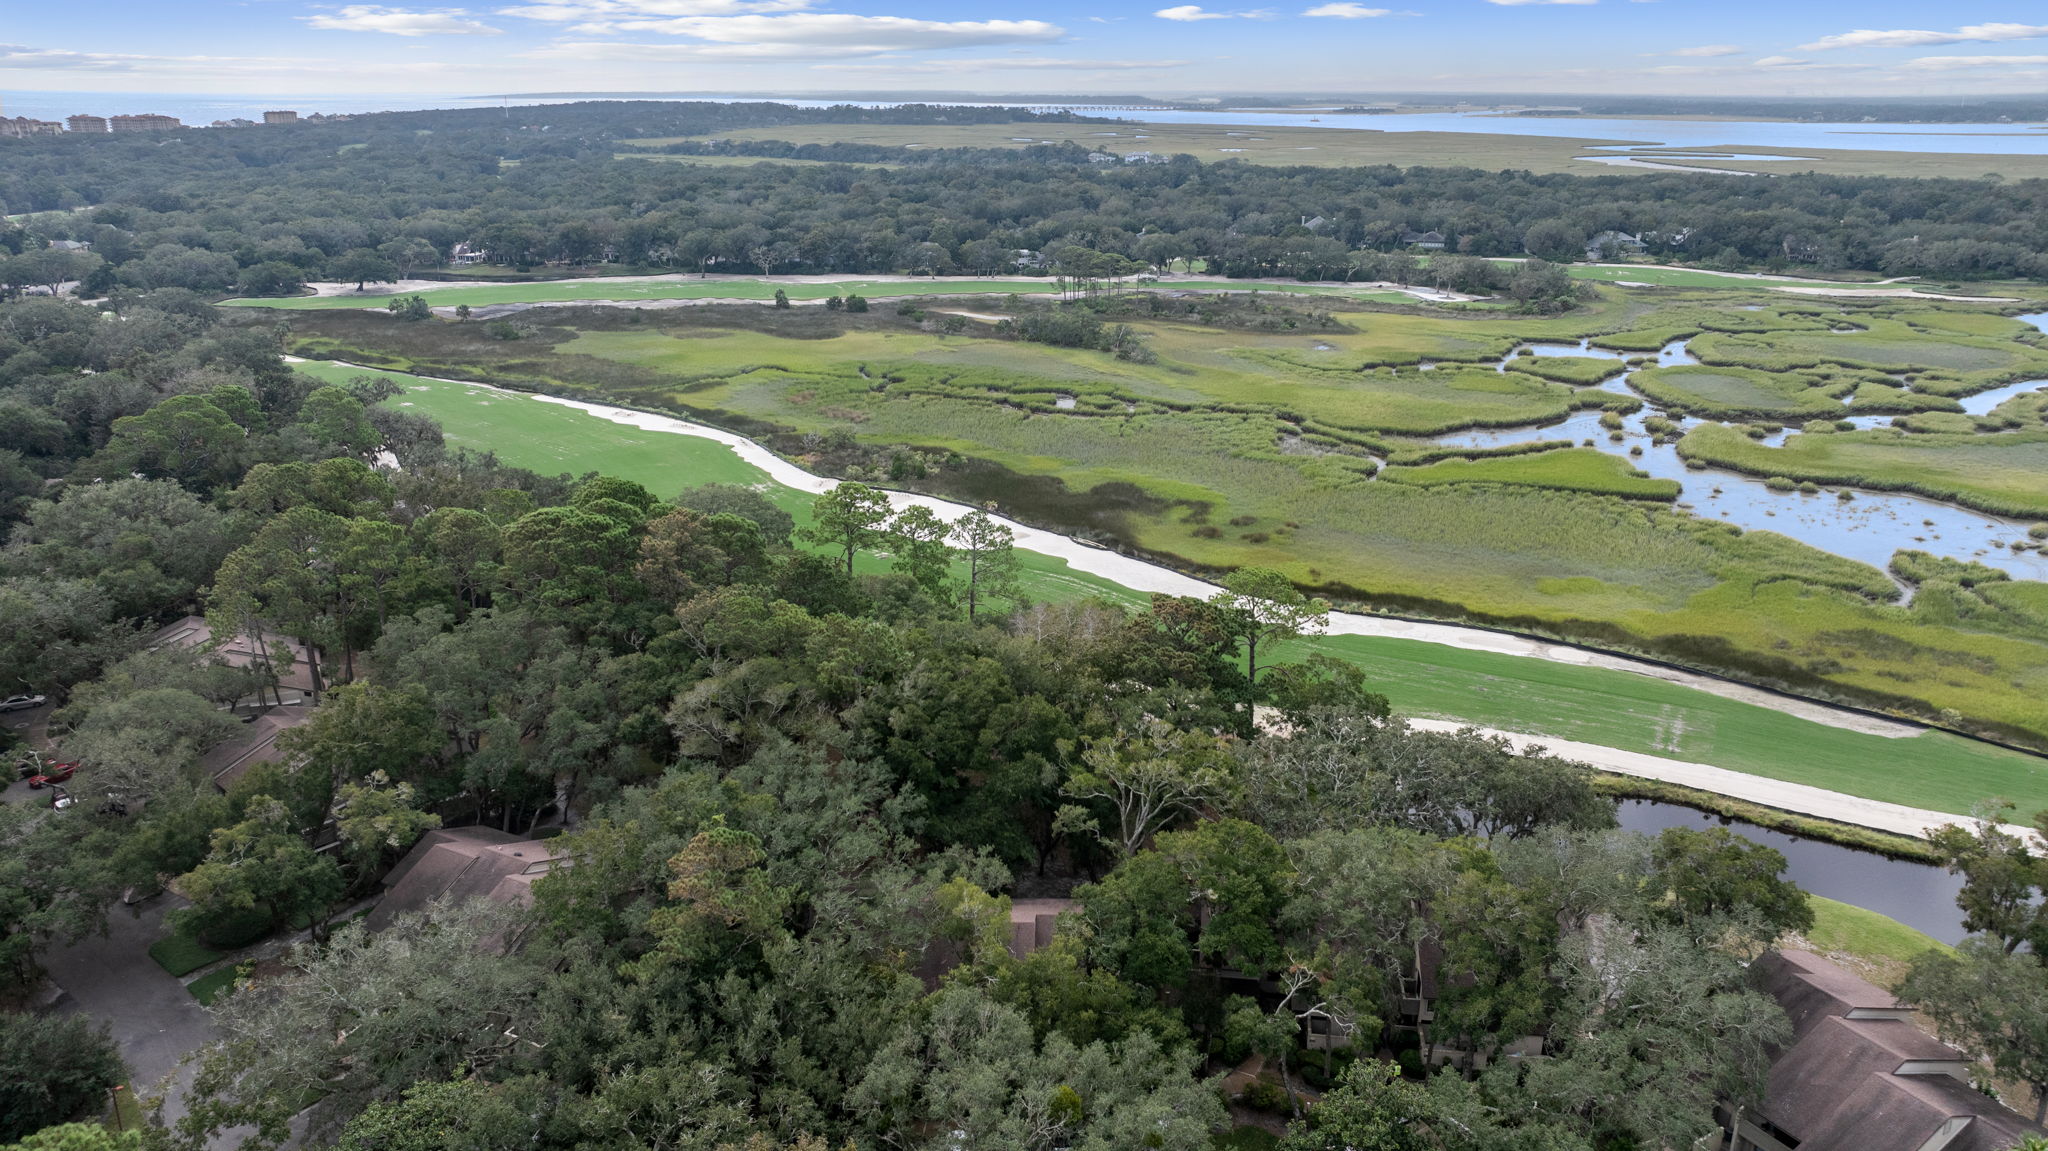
1867, 527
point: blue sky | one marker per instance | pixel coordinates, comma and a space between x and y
1720, 47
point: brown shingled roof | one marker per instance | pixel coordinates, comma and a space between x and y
462, 863
1860, 1076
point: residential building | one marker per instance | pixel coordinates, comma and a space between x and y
464, 863
1859, 1075
144, 122
1104, 158
22, 127
71, 245
286, 702
1144, 158
1427, 241
1422, 981
462, 255
86, 123
1611, 244
281, 117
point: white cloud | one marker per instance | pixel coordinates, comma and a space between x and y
1782, 62
402, 22
1348, 11
1908, 38
1709, 50
23, 56
801, 36
1189, 12
584, 11
1001, 63
1958, 63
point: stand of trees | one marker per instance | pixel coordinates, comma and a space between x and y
799, 796
380, 197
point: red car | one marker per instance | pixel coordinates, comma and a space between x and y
53, 773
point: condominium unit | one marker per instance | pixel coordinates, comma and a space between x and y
146, 122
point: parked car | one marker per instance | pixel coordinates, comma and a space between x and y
22, 702
52, 774
60, 798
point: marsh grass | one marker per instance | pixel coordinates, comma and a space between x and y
1571, 469
2002, 473
1266, 425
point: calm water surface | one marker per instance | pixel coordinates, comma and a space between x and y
1918, 895
1868, 527
1983, 139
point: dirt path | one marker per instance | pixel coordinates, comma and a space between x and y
1794, 797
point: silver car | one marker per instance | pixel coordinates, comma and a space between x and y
22, 702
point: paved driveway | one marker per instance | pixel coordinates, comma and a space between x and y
111, 978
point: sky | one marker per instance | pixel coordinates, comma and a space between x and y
791, 47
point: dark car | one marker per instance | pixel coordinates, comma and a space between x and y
22, 702
60, 798
52, 774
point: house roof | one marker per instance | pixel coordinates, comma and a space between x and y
229, 762
1859, 1076
462, 863
193, 633
1032, 923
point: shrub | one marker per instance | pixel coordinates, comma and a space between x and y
1264, 1095
1779, 484
856, 303
1410, 1062
2039, 531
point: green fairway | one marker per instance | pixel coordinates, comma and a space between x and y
624, 289
1612, 708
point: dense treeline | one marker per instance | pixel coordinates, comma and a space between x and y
799, 799
260, 211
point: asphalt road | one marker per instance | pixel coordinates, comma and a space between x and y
154, 1020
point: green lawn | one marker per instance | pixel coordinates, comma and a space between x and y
1613, 708
212, 985
1885, 944
180, 954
